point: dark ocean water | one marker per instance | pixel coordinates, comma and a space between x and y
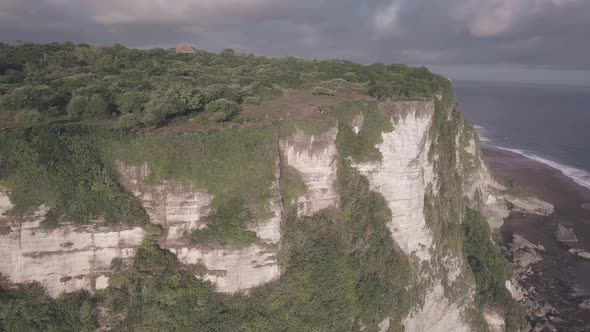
550, 124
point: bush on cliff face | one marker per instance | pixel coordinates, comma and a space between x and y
64, 169
490, 270
28, 308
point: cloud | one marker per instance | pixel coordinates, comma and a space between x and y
526, 33
185, 12
386, 20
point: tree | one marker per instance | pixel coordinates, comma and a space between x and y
96, 108
29, 118
160, 107
222, 109
77, 106
188, 94
130, 120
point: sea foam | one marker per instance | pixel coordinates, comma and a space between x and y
579, 176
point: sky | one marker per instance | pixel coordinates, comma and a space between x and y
541, 41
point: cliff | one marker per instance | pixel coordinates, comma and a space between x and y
378, 194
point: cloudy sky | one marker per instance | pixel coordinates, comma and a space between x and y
514, 40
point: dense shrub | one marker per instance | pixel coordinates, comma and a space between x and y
64, 168
490, 270
47, 76
321, 91
77, 107
222, 109
29, 118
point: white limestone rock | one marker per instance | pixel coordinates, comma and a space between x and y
315, 157
580, 253
437, 314
64, 259
233, 270
495, 321
178, 208
402, 174
181, 209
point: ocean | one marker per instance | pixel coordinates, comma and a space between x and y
550, 124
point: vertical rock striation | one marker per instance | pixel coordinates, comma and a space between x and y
314, 156
180, 209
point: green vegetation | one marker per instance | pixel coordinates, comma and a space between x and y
28, 308
227, 226
361, 147
490, 270
340, 268
236, 166
292, 184
222, 109
64, 168
444, 210
29, 118
311, 128
157, 85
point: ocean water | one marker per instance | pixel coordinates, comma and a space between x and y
550, 124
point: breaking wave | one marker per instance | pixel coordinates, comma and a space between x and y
579, 176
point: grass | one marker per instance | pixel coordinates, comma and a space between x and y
236, 166
294, 104
64, 168
361, 147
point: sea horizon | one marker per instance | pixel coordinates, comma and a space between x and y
543, 122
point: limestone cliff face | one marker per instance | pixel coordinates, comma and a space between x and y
314, 156
65, 259
403, 174
180, 209
72, 257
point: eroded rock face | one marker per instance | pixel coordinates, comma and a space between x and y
181, 209
580, 253
233, 270
315, 157
65, 259
565, 235
437, 314
402, 174
523, 253
495, 321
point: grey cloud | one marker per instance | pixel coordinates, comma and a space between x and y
526, 33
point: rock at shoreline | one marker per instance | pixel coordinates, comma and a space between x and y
524, 253
580, 253
584, 305
531, 205
564, 234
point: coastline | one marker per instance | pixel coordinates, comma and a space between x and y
560, 279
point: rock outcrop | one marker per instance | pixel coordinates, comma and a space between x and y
314, 156
580, 253
64, 259
402, 177
181, 209
403, 174
564, 234
523, 253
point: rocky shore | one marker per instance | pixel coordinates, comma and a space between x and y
550, 254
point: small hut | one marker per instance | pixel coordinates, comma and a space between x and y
185, 48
